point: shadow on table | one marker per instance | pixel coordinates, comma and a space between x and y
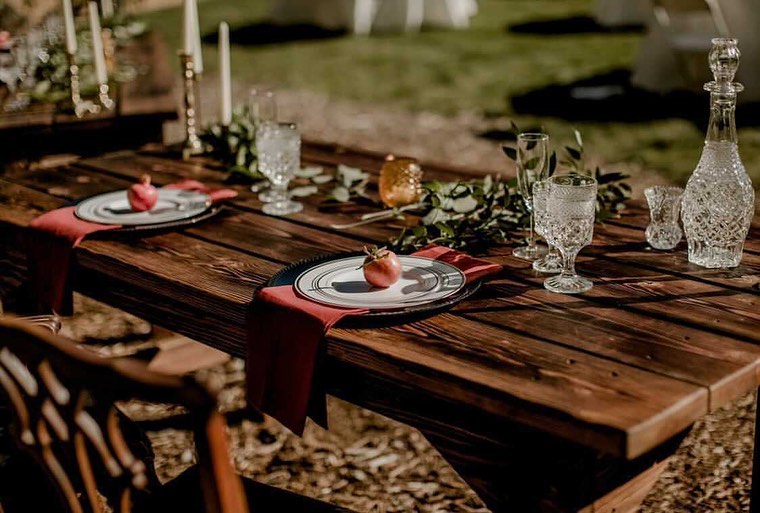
571, 25
270, 34
610, 97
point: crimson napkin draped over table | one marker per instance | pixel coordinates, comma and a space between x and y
55, 234
285, 344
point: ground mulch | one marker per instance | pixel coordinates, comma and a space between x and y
372, 464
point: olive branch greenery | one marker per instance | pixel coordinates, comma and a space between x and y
470, 215
234, 145
477, 214
613, 190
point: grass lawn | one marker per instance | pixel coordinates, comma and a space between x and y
477, 70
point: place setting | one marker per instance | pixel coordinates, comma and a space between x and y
141, 208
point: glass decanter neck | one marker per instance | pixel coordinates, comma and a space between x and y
722, 127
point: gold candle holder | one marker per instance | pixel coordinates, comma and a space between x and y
104, 98
400, 181
193, 144
80, 107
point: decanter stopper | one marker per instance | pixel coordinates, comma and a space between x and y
724, 62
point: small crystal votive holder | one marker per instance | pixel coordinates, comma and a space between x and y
663, 231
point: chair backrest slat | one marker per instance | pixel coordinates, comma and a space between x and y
64, 397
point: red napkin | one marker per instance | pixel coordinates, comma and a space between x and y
52, 239
285, 334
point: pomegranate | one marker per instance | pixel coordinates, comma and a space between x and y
142, 195
382, 268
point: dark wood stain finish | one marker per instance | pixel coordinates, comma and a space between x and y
511, 383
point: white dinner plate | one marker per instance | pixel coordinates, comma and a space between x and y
172, 205
341, 283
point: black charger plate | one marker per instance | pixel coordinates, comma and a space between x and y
379, 318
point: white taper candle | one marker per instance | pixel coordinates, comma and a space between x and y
191, 34
225, 74
98, 56
69, 27
106, 8
198, 48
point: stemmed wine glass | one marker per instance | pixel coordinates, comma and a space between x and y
262, 105
532, 166
571, 211
552, 262
278, 147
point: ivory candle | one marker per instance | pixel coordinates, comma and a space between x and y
98, 56
69, 27
107, 10
225, 74
192, 34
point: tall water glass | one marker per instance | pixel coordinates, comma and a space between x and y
532, 166
262, 105
571, 211
552, 262
278, 146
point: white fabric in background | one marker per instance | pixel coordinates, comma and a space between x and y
659, 68
617, 13
362, 16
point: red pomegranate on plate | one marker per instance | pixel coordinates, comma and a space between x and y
142, 196
382, 268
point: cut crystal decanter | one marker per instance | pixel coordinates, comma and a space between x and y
719, 201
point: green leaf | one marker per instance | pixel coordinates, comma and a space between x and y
309, 172
578, 138
573, 153
511, 153
435, 215
302, 192
341, 194
552, 163
320, 179
464, 204
445, 229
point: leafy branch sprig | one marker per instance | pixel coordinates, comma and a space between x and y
235, 145
472, 215
351, 184
613, 190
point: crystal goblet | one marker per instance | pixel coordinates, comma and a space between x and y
552, 262
278, 146
532, 166
571, 211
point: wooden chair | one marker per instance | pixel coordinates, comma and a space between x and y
63, 403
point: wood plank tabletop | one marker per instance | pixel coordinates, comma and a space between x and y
655, 345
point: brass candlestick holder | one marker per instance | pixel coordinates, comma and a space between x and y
81, 107
104, 98
193, 144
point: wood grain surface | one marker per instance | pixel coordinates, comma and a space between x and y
620, 371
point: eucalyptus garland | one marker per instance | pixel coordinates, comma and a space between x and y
471, 215
477, 214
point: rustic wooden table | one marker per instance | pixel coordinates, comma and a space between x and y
542, 402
